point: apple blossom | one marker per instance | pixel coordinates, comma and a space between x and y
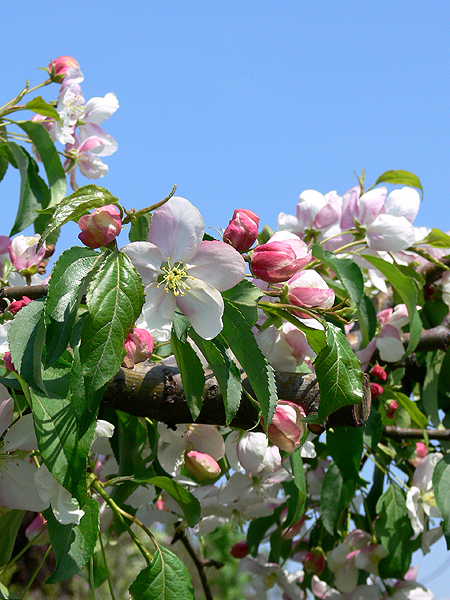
376, 389
287, 428
309, 289
62, 64
242, 229
285, 347
24, 256
282, 256
391, 407
420, 500
269, 574
314, 561
15, 306
138, 347
201, 465
65, 508
101, 227
178, 269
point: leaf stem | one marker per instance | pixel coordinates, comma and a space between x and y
33, 577
108, 572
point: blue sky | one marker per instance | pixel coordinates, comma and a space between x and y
245, 104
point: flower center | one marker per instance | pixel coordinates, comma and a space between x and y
174, 278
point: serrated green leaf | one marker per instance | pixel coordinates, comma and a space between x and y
73, 545
408, 293
166, 578
239, 337
244, 296
226, 371
34, 194
41, 107
114, 300
190, 367
338, 373
26, 336
400, 178
71, 276
52, 164
187, 501
9, 526
63, 450
76, 205
336, 494
441, 486
437, 239
394, 530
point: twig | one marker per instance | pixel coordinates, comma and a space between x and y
412, 434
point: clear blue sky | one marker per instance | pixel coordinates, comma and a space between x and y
245, 104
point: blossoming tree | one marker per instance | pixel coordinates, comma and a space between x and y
225, 393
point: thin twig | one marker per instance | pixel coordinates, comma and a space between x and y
391, 431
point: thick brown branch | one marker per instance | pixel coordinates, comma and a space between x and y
436, 338
403, 433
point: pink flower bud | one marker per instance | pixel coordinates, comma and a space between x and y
62, 64
309, 289
23, 254
421, 450
8, 362
242, 230
240, 550
287, 428
138, 346
36, 526
15, 306
279, 259
391, 407
314, 562
201, 465
101, 227
376, 389
379, 372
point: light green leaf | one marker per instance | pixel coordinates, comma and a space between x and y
73, 545
52, 163
245, 296
71, 276
26, 337
76, 205
437, 239
41, 107
139, 228
187, 501
166, 578
441, 486
338, 373
411, 407
400, 178
394, 530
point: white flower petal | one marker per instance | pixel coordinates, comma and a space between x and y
146, 258
203, 306
6, 409
97, 110
158, 310
21, 435
217, 263
403, 202
390, 233
17, 487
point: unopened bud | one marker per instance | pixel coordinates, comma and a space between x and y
391, 407
242, 230
376, 389
287, 428
101, 227
138, 347
314, 562
240, 550
201, 465
379, 372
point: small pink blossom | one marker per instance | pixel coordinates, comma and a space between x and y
287, 428
376, 389
15, 306
8, 362
34, 528
62, 64
201, 465
307, 288
314, 561
379, 372
391, 407
138, 346
280, 258
24, 256
101, 227
242, 229
240, 550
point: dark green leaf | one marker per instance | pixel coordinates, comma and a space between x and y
373, 430
394, 530
41, 107
345, 446
400, 178
52, 164
244, 296
336, 494
9, 526
256, 531
70, 278
166, 578
408, 293
139, 228
227, 373
296, 490
73, 545
338, 373
77, 204
240, 339
3, 166
187, 502
63, 450
441, 486
26, 337
429, 396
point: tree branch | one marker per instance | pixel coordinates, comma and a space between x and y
415, 434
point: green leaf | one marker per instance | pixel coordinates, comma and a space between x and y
408, 293
166, 578
41, 107
26, 337
338, 373
187, 501
227, 373
76, 205
5, 594
52, 164
296, 490
114, 300
411, 407
139, 228
189, 365
400, 178
73, 545
336, 494
373, 430
9, 526
70, 278
394, 530
63, 450
257, 528
429, 392
3, 166
441, 486
345, 446
437, 239
34, 194
244, 296
239, 337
